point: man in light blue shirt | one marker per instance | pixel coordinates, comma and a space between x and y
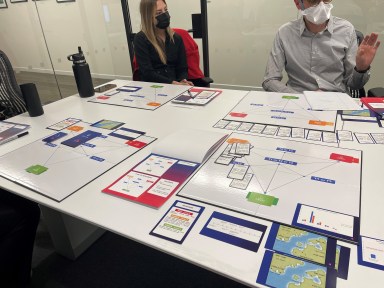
319, 52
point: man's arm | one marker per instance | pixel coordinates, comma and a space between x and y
274, 70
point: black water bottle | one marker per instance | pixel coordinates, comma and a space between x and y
82, 74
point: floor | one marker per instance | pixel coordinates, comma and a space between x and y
114, 261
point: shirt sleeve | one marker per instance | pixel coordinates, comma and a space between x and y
182, 66
354, 79
274, 70
143, 58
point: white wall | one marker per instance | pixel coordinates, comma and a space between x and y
241, 33
66, 26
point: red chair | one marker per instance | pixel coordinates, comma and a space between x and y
195, 75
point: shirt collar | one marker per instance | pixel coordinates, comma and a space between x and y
329, 27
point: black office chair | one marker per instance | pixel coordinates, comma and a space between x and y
357, 93
376, 92
11, 99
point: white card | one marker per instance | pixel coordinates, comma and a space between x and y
223, 160
372, 250
314, 135
245, 127
238, 171
241, 184
163, 188
377, 105
284, 132
233, 125
298, 133
205, 94
243, 148
330, 137
327, 220
270, 130
235, 230
378, 137
233, 149
257, 128
64, 124
364, 138
344, 135
221, 124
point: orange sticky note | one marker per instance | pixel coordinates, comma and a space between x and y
235, 140
320, 123
75, 128
155, 104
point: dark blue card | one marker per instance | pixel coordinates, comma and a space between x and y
81, 139
234, 231
54, 137
278, 270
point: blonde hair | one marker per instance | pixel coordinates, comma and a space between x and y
147, 11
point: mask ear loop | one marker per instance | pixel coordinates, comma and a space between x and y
302, 4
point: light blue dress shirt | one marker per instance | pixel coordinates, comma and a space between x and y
324, 61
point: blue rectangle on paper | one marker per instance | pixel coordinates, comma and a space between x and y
324, 180
97, 159
230, 238
286, 150
280, 161
51, 144
81, 139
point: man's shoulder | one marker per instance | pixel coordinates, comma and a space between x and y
342, 23
290, 27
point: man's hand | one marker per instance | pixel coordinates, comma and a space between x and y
367, 51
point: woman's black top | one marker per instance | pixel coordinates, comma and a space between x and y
150, 66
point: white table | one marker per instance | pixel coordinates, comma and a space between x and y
87, 212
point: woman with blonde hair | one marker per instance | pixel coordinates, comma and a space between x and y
159, 51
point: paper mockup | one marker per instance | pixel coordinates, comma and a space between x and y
364, 138
309, 246
344, 135
177, 222
371, 252
197, 96
235, 231
9, 130
154, 180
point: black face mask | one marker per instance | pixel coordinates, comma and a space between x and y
163, 20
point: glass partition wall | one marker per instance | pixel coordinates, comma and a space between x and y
39, 35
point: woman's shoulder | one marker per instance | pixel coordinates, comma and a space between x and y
141, 37
177, 36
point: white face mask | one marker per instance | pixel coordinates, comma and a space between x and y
318, 14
